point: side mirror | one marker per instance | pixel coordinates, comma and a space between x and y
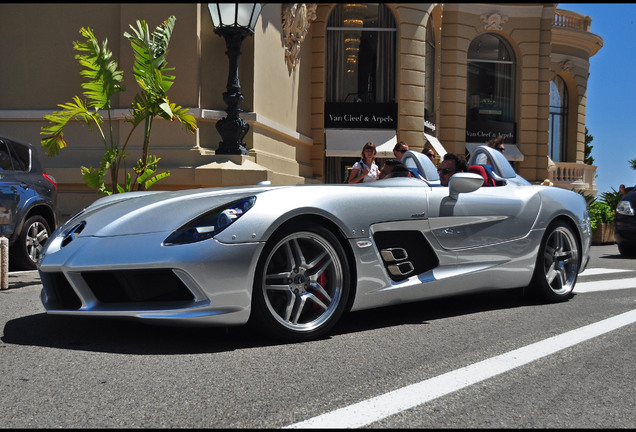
464, 183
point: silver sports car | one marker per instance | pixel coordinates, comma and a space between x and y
293, 259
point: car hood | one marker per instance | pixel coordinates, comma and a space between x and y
148, 212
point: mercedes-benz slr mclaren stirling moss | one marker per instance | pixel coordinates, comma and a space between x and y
293, 259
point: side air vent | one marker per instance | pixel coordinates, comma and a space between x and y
405, 253
73, 233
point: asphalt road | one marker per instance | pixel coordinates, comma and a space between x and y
62, 372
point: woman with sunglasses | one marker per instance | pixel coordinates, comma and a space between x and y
429, 153
365, 170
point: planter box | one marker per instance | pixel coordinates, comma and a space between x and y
604, 234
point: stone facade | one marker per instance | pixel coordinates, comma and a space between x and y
284, 91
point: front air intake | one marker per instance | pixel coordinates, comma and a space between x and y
137, 286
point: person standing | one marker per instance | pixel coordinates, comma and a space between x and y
365, 170
400, 148
497, 143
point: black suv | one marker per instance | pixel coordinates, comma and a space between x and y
625, 224
27, 202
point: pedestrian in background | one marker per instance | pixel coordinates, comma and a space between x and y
400, 148
365, 170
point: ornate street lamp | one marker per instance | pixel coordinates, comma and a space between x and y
233, 21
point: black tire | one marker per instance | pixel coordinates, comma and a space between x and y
301, 285
27, 250
626, 251
558, 263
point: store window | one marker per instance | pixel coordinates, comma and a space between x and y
360, 85
491, 90
558, 119
361, 47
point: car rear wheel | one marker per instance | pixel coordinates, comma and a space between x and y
557, 264
301, 285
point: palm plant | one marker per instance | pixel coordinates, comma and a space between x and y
612, 198
102, 82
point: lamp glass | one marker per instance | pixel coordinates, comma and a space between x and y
234, 14
214, 14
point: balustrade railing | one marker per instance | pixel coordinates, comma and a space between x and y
577, 176
572, 20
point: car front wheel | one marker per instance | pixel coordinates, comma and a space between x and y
27, 249
302, 284
557, 265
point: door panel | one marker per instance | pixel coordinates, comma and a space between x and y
484, 217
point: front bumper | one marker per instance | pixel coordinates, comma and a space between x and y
204, 283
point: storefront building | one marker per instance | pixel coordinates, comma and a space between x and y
319, 81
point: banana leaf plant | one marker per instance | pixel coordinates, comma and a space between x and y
102, 81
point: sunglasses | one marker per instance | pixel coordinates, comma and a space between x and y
444, 171
501, 149
401, 150
431, 155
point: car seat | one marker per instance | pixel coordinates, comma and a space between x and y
479, 169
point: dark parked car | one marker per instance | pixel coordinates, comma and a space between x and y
27, 202
625, 232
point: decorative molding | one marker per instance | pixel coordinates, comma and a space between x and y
494, 21
567, 65
296, 19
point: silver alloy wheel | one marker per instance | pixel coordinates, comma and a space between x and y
36, 237
303, 281
561, 260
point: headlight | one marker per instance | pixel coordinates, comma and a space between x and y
625, 208
211, 223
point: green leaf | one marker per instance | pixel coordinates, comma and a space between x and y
150, 50
184, 117
53, 140
155, 179
100, 70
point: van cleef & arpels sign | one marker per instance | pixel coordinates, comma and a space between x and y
360, 115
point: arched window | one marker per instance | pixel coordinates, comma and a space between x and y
558, 119
360, 57
429, 65
490, 89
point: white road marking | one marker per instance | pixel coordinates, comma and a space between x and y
371, 410
598, 271
22, 272
605, 285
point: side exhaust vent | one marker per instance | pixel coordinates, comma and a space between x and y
396, 261
405, 253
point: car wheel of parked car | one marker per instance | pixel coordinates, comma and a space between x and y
28, 247
557, 264
301, 285
625, 250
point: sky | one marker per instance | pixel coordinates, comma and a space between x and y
611, 92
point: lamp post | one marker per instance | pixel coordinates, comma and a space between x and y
233, 21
